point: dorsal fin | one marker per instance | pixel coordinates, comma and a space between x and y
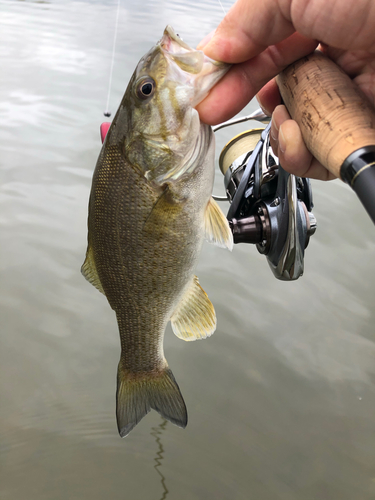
194, 317
217, 230
89, 271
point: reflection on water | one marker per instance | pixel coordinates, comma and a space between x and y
157, 433
281, 399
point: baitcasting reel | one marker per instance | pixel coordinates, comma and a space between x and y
269, 207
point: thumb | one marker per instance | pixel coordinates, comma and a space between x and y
249, 27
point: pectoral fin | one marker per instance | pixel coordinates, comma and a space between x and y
194, 317
89, 271
217, 230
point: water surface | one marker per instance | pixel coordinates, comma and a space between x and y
281, 399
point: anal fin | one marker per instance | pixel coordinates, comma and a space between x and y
194, 317
89, 271
217, 230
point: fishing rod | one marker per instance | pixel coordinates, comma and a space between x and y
273, 209
336, 120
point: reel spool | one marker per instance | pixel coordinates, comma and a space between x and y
269, 207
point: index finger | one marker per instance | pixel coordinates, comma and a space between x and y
244, 80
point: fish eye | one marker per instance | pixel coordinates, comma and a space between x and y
145, 88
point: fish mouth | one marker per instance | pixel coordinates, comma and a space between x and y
196, 69
171, 40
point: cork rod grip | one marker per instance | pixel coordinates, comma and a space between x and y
335, 118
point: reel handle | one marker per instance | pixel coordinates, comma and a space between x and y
336, 120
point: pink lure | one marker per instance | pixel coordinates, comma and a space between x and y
104, 129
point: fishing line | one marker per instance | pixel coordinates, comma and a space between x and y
222, 7
107, 112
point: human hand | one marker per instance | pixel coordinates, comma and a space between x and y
263, 38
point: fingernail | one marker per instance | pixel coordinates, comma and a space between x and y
265, 111
274, 132
282, 141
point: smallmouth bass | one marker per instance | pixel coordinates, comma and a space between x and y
150, 209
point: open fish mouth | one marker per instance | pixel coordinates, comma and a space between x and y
170, 41
197, 70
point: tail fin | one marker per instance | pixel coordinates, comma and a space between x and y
137, 394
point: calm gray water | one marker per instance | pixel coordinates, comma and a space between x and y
281, 399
